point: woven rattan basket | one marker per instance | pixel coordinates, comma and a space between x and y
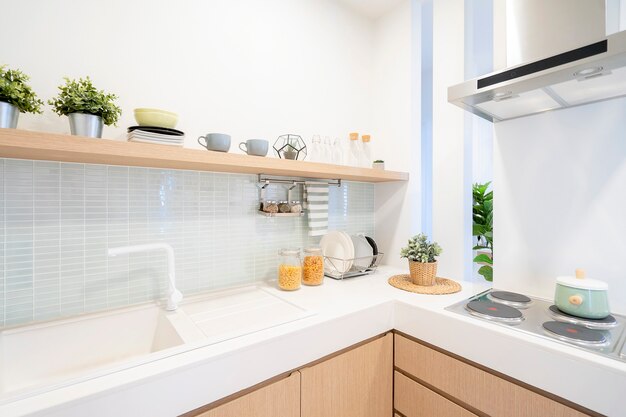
423, 273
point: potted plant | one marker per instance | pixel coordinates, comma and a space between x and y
378, 164
86, 107
482, 228
422, 259
16, 97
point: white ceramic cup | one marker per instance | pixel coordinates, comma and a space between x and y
257, 147
219, 142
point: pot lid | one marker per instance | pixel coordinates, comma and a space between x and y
580, 281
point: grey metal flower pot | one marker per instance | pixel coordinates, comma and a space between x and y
82, 124
8, 115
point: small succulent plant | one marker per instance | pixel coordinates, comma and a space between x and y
14, 89
421, 250
82, 97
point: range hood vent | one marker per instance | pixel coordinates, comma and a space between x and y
592, 73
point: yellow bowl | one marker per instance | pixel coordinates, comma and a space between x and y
156, 117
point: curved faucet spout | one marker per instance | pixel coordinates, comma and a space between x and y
174, 296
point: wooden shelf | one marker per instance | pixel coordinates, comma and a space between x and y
24, 144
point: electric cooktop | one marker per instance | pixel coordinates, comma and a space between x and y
542, 318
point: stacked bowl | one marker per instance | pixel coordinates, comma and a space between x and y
156, 126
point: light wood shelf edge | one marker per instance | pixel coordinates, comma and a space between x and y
24, 144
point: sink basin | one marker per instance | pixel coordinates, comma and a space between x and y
231, 314
48, 353
41, 357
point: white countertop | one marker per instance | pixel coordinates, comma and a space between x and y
348, 312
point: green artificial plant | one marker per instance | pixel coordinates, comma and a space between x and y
482, 214
15, 90
82, 97
421, 250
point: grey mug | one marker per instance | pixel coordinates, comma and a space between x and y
257, 147
219, 142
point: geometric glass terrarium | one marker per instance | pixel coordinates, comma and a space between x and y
290, 147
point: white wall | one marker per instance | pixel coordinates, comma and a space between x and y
449, 179
248, 68
560, 187
396, 124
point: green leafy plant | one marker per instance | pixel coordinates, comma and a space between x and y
421, 250
379, 161
15, 90
82, 97
482, 214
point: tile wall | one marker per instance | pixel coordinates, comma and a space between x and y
58, 219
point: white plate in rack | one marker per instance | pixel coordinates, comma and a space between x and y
363, 251
338, 245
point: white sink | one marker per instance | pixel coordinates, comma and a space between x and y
44, 356
48, 353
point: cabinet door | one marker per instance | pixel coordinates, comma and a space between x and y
415, 400
473, 386
357, 383
279, 399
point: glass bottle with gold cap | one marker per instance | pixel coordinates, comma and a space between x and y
366, 152
352, 156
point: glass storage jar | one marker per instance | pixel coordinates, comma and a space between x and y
284, 207
313, 267
289, 269
270, 206
296, 207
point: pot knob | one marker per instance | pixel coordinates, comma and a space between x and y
575, 299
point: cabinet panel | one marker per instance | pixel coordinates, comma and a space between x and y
279, 399
357, 383
473, 386
415, 400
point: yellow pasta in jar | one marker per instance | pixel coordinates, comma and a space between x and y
313, 273
289, 277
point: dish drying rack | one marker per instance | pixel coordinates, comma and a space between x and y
348, 268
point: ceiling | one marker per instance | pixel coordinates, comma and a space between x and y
371, 8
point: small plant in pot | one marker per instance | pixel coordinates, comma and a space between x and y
378, 164
86, 107
422, 256
16, 97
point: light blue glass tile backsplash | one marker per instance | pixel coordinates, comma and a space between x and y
58, 219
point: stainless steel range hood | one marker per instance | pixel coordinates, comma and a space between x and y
588, 74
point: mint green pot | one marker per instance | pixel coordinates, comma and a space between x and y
582, 302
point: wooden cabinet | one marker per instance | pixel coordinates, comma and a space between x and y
469, 386
279, 399
415, 400
362, 382
357, 383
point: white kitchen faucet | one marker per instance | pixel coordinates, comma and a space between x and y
174, 296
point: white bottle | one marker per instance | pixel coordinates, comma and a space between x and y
366, 152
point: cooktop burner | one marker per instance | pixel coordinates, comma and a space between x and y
575, 333
495, 311
605, 323
510, 298
540, 318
